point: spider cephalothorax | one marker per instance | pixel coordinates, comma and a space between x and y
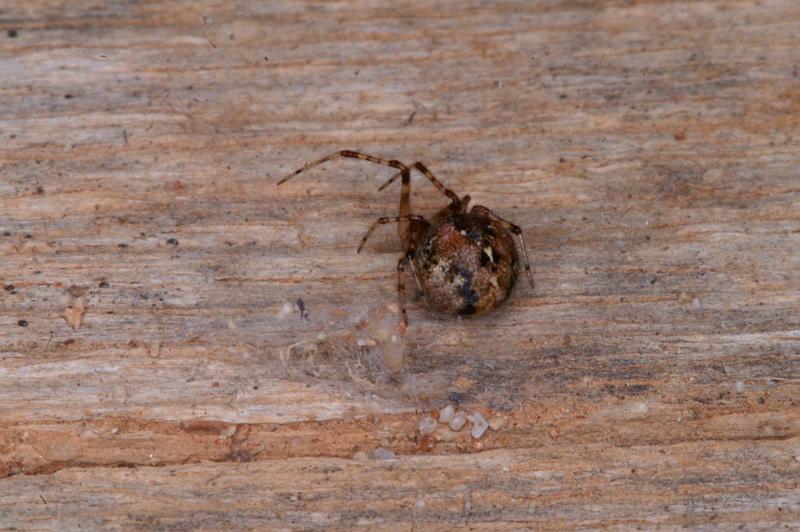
464, 261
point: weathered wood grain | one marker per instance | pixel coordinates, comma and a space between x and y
151, 267
550, 487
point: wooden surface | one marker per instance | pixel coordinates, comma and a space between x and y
155, 371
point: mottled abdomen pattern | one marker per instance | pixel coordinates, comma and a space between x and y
466, 264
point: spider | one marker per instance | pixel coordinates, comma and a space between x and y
463, 261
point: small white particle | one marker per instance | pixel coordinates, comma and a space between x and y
739, 386
285, 310
458, 421
479, 425
420, 504
696, 303
446, 414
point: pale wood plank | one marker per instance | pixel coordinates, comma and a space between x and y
648, 149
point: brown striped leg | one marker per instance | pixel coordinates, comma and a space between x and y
405, 174
390, 181
345, 153
480, 209
401, 290
385, 220
438, 184
427, 173
401, 286
416, 278
405, 208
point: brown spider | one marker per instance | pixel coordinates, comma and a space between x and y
464, 262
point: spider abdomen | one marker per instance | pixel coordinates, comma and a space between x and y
466, 263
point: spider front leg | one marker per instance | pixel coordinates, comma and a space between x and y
401, 291
438, 184
385, 220
432, 178
417, 225
346, 153
480, 209
404, 173
401, 286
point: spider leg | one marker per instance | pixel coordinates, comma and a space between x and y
416, 278
438, 184
514, 229
345, 153
405, 174
385, 220
419, 224
390, 181
401, 290
417, 228
427, 173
